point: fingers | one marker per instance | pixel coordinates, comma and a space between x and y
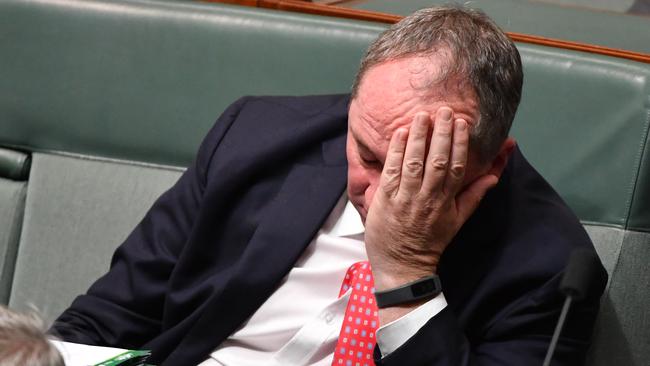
459, 152
408, 168
392, 172
414, 156
439, 151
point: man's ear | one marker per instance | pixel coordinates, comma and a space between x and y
501, 160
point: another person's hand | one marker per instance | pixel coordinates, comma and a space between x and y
421, 202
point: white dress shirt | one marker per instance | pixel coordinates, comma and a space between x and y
300, 323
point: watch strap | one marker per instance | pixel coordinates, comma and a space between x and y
422, 288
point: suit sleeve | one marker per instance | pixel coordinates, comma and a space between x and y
520, 336
124, 308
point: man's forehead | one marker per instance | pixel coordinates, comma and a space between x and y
386, 95
392, 92
395, 78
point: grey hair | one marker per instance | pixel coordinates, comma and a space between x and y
474, 51
23, 341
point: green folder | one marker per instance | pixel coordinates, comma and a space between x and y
128, 358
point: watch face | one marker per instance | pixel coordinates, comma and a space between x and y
423, 288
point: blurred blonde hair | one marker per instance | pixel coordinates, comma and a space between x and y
23, 341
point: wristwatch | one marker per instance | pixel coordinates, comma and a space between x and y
419, 289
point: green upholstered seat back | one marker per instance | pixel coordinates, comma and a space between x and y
77, 211
14, 168
583, 122
144, 80
543, 18
113, 97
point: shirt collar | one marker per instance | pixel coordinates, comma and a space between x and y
346, 219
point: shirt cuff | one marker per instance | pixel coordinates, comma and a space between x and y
394, 334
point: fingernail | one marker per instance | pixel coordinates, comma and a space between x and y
444, 113
461, 124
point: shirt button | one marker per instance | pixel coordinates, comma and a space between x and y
328, 317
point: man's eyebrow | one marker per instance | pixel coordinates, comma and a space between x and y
368, 153
362, 145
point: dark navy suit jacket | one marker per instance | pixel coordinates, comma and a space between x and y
214, 247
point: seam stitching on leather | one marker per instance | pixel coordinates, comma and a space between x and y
109, 160
602, 224
639, 164
15, 236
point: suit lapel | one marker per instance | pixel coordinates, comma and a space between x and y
302, 204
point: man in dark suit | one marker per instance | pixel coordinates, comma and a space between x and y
442, 191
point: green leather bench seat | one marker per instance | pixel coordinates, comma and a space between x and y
603, 28
618, 6
77, 210
164, 65
113, 97
14, 168
14, 164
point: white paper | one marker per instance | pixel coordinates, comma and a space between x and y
75, 354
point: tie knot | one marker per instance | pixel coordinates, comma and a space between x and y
360, 267
358, 277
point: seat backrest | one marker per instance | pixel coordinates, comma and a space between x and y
544, 18
584, 123
112, 99
14, 168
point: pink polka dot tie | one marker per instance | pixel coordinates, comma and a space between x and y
357, 337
